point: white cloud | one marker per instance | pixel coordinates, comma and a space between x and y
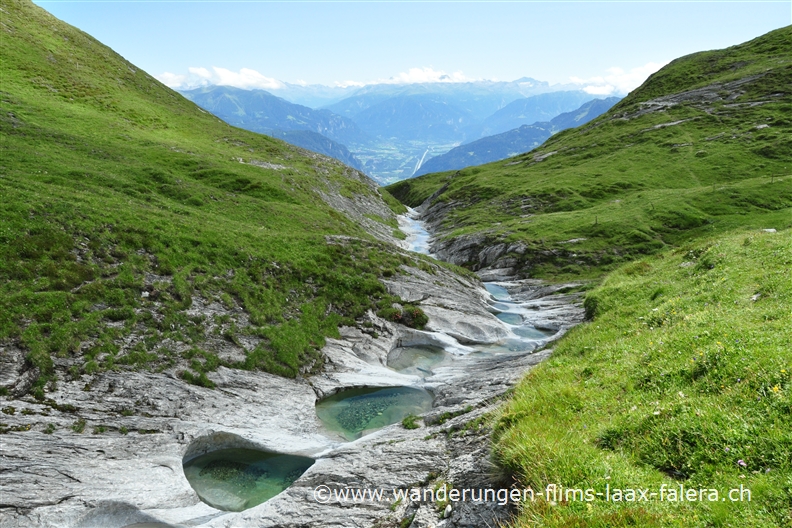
200, 72
249, 79
198, 76
246, 79
599, 90
171, 80
617, 80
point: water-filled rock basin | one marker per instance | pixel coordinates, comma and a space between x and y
237, 479
354, 412
530, 332
499, 293
510, 318
416, 360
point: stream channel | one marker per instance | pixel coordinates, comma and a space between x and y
233, 477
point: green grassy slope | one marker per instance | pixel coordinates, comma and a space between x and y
704, 146
684, 377
122, 202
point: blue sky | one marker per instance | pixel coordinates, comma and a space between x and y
257, 44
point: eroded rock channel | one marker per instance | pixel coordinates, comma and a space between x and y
255, 450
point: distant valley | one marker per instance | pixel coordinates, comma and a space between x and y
391, 131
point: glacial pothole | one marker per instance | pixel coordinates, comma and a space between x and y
238, 478
498, 292
416, 360
531, 332
510, 318
352, 413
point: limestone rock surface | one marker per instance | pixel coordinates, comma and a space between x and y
107, 450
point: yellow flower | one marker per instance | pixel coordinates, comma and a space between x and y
776, 388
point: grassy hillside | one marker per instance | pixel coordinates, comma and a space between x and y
126, 209
684, 377
702, 147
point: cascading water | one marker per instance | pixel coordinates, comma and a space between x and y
526, 336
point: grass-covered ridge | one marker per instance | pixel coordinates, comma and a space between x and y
702, 147
126, 209
684, 376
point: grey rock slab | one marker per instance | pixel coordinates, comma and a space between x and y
102, 477
455, 306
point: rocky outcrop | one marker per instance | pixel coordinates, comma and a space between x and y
364, 206
491, 259
456, 306
107, 450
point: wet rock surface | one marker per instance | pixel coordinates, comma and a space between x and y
109, 450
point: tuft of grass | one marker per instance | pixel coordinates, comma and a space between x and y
407, 521
411, 422
692, 387
78, 426
408, 315
444, 417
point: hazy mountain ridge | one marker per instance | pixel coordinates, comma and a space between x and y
529, 110
480, 98
415, 118
513, 142
261, 111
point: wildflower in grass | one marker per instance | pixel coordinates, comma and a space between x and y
742, 463
776, 389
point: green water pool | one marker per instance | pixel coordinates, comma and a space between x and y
355, 412
237, 479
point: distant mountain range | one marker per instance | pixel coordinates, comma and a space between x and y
425, 117
481, 98
490, 94
260, 111
388, 129
513, 142
543, 107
